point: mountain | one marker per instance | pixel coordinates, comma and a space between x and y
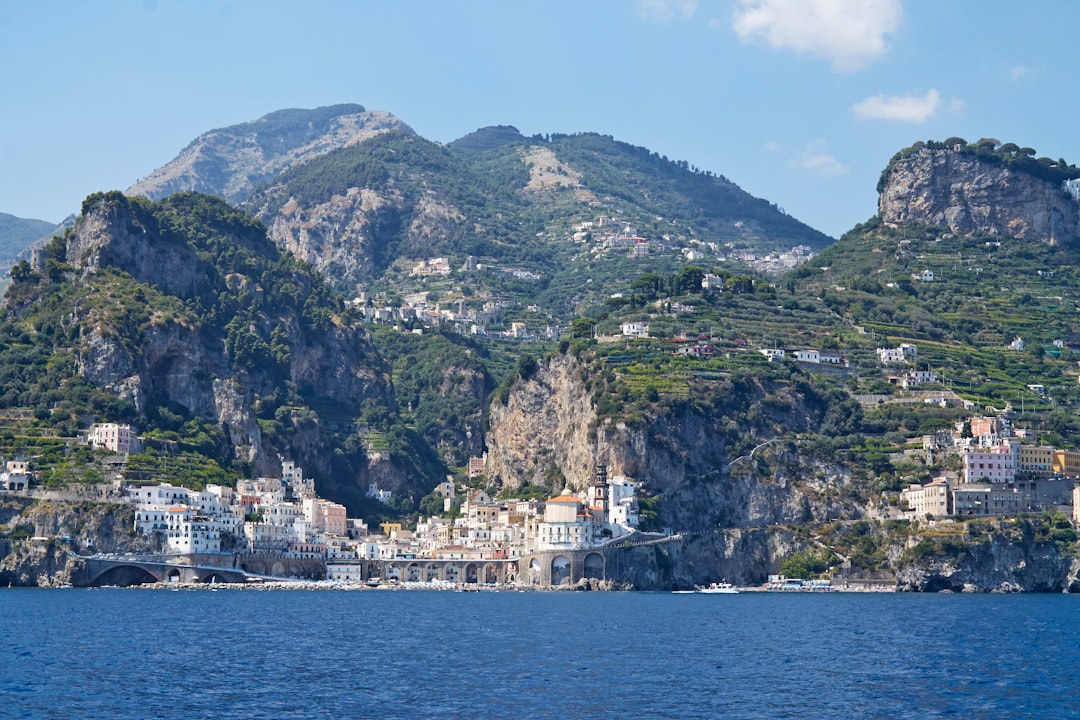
17, 234
214, 330
552, 210
230, 162
182, 318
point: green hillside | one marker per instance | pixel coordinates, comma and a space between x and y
229, 311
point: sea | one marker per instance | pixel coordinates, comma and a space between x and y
221, 653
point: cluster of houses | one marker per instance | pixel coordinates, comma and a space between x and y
612, 235
283, 517
266, 516
1003, 473
418, 309
487, 530
804, 355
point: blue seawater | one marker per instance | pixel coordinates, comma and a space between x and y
113, 653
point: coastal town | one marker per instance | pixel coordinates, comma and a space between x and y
479, 540
282, 526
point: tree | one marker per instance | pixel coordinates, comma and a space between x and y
21, 272
689, 280
582, 328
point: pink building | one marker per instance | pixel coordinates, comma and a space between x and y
332, 519
995, 465
117, 438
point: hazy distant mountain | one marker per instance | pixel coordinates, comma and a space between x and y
17, 234
230, 162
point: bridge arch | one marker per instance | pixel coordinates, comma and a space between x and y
491, 574
534, 571
412, 572
214, 576
431, 572
451, 573
124, 576
593, 567
560, 570
470, 574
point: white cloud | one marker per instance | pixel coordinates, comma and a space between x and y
906, 108
1026, 72
772, 146
663, 11
814, 159
850, 33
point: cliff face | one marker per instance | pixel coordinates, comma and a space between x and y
999, 564
91, 527
186, 305
741, 557
231, 162
348, 235
548, 432
966, 193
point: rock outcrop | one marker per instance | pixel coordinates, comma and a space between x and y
42, 560
163, 316
231, 162
998, 564
968, 193
547, 434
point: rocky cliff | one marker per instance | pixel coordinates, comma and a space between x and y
88, 526
187, 311
999, 564
705, 470
231, 162
968, 192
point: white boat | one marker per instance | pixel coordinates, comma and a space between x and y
719, 588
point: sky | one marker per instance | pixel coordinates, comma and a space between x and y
800, 102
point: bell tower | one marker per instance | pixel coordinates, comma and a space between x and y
598, 491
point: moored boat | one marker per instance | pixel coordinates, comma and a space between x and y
718, 588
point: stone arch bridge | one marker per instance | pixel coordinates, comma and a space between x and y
125, 570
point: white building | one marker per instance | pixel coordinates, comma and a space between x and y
622, 506
567, 524
16, 478
934, 498
633, 329
917, 377
772, 354
712, 282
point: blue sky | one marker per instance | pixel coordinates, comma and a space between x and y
801, 102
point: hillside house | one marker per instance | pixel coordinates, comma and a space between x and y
635, 329
917, 377
924, 276
117, 438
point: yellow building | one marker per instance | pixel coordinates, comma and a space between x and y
1067, 462
1036, 460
